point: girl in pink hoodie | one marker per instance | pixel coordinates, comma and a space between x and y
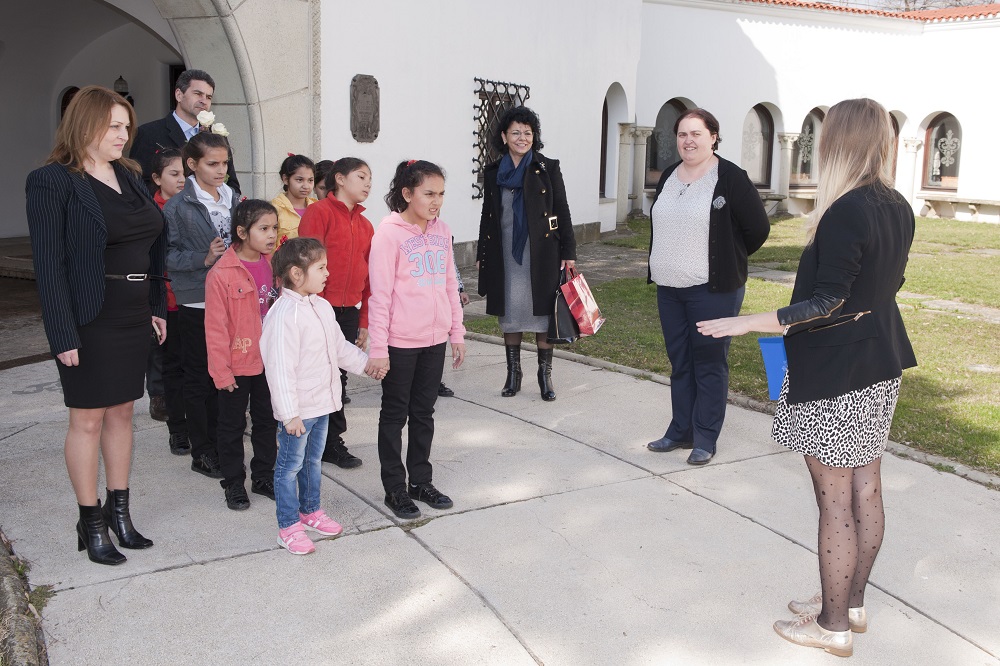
303, 347
238, 291
414, 309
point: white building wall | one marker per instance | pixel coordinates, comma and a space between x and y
736, 55
425, 56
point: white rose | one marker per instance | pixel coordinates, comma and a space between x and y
206, 118
220, 129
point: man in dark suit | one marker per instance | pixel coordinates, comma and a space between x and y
193, 93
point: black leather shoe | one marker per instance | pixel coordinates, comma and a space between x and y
429, 495
92, 534
345, 399
119, 521
158, 407
179, 444
207, 466
337, 453
401, 504
664, 445
236, 497
263, 487
445, 392
700, 457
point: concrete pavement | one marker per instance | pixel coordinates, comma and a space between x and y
569, 543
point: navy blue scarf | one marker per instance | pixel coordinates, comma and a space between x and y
513, 179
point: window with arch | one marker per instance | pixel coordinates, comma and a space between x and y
804, 171
758, 140
942, 152
661, 147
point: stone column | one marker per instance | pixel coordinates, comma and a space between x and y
787, 141
624, 169
639, 167
906, 170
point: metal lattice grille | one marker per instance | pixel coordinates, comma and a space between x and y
494, 98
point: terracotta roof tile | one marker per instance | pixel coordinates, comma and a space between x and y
928, 16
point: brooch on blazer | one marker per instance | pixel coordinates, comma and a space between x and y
719, 203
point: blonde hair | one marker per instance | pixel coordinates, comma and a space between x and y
87, 117
855, 150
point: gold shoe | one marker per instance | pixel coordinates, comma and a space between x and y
857, 617
804, 630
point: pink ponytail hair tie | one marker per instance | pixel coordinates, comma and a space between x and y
410, 163
291, 154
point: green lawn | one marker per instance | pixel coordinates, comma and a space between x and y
945, 406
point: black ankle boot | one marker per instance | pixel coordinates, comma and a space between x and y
92, 534
545, 375
514, 374
118, 520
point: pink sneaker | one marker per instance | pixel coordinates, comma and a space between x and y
294, 539
318, 521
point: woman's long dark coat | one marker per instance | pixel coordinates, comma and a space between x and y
550, 235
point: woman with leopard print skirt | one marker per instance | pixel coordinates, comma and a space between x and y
846, 348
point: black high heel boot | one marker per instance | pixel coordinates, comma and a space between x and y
92, 534
119, 521
545, 374
514, 373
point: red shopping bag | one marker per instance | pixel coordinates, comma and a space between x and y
582, 304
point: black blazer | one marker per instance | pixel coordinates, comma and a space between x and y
161, 134
68, 239
737, 226
857, 258
550, 235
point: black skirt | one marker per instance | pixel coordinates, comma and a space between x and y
115, 345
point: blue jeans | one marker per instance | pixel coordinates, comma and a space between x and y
699, 366
299, 461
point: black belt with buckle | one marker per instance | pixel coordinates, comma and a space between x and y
136, 277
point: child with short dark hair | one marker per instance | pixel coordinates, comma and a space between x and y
302, 345
297, 177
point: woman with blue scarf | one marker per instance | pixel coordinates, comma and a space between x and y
525, 240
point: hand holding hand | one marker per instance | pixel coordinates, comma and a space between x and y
464, 297
458, 354
70, 358
215, 250
295, 427
377, 368
232, 387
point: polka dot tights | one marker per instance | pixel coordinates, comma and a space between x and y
851, 527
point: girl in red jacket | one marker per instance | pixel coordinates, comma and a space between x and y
338, 223
238, 291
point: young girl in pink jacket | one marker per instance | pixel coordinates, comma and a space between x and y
303, 347
238, 291
413, 311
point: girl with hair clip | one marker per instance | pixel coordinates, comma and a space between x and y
415, 310
166, 360
238, 292
299, 330
199, 229
847, 349
297, 177
337, 221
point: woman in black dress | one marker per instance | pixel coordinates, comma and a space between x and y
847, 349
98, 249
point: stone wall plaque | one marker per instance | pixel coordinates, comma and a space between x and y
364, 108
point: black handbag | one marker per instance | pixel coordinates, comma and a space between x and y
563, 328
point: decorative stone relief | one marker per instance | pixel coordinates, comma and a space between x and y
364, 108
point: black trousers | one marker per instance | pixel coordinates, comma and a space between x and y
232, 424
173, 377
348, 318
200, 394
154, 366
409, 392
